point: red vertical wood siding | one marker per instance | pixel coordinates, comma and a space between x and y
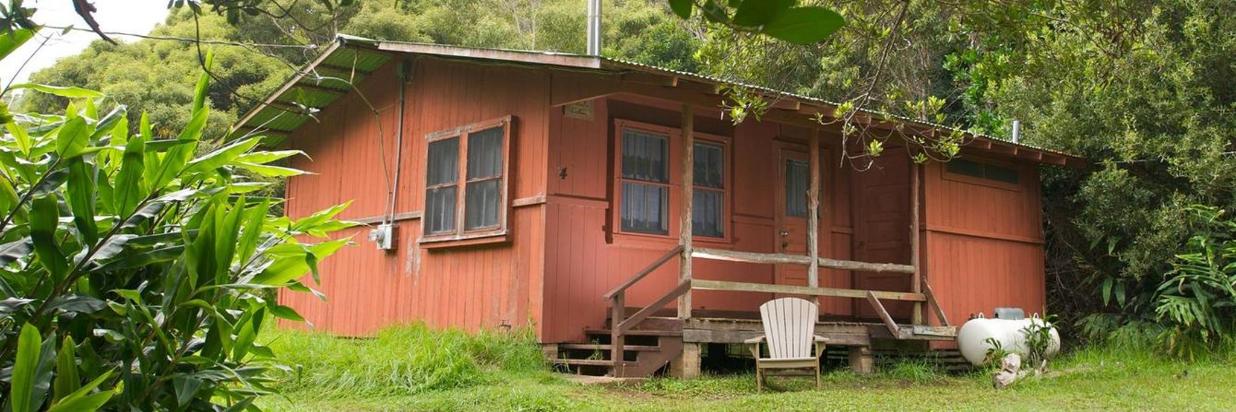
984, 243
466, 287
584, 259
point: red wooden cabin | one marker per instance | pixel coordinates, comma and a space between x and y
547, 191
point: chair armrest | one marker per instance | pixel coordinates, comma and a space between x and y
754, 345
819, 346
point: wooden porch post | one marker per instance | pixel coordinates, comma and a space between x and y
917, 278
813, 216
688, 200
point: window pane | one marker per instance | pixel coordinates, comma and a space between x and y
983, 171
796, 175
644, 156
481, 203
709, 165
440, 210
443, 161
1002, 174
965, 167
644, 208
706, 217
485, 153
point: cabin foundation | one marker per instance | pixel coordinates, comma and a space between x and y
687, 365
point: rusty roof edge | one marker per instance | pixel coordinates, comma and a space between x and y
300, 74
627, 64
599, 63
520, 56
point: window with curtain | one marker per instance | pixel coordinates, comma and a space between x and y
644, 182
797, 173
465, 186
708, 217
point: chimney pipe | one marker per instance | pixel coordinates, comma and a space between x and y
1016, 131
594, 27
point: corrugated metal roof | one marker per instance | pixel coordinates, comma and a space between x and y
347, 61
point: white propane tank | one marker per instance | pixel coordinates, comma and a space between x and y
972, 338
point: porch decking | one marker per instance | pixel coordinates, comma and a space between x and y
663, 339
676, 339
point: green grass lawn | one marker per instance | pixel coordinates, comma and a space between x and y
414, 369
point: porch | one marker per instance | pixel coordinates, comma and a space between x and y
674, 336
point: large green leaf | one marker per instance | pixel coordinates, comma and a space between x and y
12, 40
81, 196
25, 366
82, 399
251, 232
73, 137
44, 216
10, 252
222, 155
130, 188
804, 25
177, 156
203, 81
265, 157
70, 92
270, 171
227, 238
681, 7
153, 207
67, 379
754, 13
294, 261
20, 136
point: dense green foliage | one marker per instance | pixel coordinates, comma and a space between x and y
1140, 88
1143, 89
244, 72
134, 274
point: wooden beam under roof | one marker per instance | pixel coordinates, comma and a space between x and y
344, 69
329, 90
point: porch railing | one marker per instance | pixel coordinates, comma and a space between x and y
620, 324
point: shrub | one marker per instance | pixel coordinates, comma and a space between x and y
1197, 298
134, 275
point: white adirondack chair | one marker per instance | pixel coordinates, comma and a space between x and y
789, 332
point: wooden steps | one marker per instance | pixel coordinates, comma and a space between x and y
606, 347
636, 332
585, 362
648, 348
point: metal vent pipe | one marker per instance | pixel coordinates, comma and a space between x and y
594, 27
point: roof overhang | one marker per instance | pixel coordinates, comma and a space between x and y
349, 60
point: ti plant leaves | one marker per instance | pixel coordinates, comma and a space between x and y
141, 272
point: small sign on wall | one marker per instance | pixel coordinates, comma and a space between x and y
578, 110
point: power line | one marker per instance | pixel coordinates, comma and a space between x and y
190, 39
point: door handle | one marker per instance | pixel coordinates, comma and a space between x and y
785, 233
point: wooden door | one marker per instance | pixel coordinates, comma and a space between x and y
790, 234
881, 210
